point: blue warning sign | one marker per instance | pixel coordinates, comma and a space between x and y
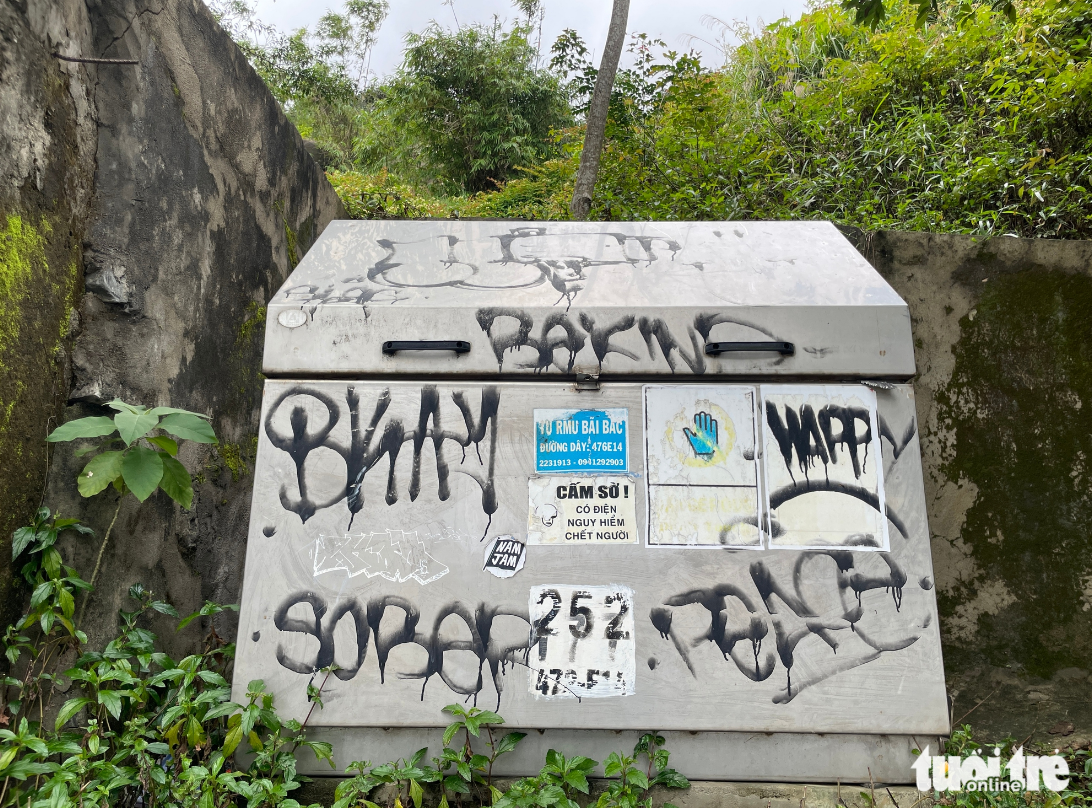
581, 440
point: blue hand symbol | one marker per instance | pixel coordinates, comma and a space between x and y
704, 438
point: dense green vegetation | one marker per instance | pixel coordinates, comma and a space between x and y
970, 123
976, 121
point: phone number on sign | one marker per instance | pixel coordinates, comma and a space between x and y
580, 461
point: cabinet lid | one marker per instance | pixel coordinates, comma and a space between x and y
626, 299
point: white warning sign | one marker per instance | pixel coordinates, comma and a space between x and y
582, 510
582, 641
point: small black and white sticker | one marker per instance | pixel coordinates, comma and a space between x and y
505, 556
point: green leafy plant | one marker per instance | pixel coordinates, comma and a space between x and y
142, 464
631, 788
404, 777
470, 767
136, 723
963, 743
556, 784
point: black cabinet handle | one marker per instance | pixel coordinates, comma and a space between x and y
395, 345
717, 348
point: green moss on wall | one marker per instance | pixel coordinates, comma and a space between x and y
22, 255
290, 236
252, 326
238, 458
1019, 407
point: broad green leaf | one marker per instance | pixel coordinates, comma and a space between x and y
638, 778
7, 757
457, 784
51, 562
69, 709
417, 793
112, 701
583, 764
94, 427
66, 602
166, 444
213, 678
509, 741
176, 482
133, 426
188, 427
226, 708
22, 769
195, 733
99, 473
20, 539
449, 733
577, 780
163, 607
41, 592
142, 469
120, 406
161, 411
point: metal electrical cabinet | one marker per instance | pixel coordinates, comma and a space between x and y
601, 478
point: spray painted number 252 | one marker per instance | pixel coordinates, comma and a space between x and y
582, 620
595, 655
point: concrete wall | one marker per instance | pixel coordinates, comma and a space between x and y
47, 164
1003, 340
179, 198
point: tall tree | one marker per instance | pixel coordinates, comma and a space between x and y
596, 130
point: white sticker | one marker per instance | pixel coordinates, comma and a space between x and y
292, 318
581, 510
505, 556
701, 466
582, 641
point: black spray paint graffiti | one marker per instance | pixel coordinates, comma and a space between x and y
815, 437
492, 651
368, 445
792, 616
558, 333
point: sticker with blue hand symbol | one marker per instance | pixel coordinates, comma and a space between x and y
700, 459
703, 438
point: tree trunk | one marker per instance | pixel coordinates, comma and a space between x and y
596, 130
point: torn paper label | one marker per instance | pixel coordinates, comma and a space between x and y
505, 556
582, 510
582, 641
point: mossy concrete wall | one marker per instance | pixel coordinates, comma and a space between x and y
149, 212
46, 168
1003, 339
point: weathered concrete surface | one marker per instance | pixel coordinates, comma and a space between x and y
1004, 351
180, 196
46, 167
